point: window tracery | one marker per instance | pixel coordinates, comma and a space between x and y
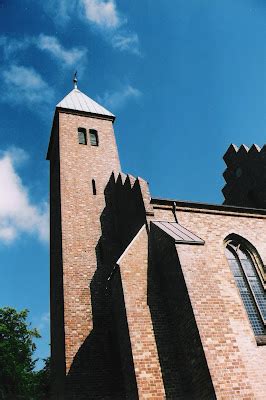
244, 262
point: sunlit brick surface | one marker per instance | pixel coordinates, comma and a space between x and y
233, 357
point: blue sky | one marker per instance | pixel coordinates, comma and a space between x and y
185, 79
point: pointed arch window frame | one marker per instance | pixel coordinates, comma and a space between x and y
258, 266
253, 253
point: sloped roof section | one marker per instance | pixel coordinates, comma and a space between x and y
178, 232
78, 101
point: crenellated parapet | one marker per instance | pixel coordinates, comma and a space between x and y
245, 176
127, 183
128, 200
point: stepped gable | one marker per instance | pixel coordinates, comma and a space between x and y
245, 176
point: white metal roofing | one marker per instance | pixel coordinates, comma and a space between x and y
76, 100
178, 232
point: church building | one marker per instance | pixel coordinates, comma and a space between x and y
152, 298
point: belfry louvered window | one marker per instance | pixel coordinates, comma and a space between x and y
244, 267
82, 136
94, 140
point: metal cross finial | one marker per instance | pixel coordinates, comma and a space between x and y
75, 80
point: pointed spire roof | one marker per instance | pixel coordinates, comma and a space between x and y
78, 101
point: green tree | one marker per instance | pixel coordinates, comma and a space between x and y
18, 381
42, 382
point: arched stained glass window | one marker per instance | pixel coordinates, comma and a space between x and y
82, 136
243, 265
94, 140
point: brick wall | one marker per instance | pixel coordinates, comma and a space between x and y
163, 320
122, 218
121, 332
183, 364
231, 351
75, 238
133, 269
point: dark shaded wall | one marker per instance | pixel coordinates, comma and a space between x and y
183, 364
103, 367
121, 219
58, 367
245, 176
124, 214
96, 369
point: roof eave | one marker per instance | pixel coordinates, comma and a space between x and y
90, 114
51, 135
206, 206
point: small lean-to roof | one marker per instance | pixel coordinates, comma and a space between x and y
178, 232
78, 101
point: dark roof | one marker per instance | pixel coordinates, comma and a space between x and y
178, 232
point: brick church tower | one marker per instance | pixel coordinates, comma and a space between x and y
151, 298
82, 153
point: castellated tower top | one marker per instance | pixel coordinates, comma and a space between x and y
78, 101
245, 176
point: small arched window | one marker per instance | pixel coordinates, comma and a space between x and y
94, 140
242, 261
82, 136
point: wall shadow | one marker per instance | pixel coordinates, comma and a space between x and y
103, 367
57, 328
182, 359
96, 371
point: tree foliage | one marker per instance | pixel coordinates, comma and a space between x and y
18, 380
42, 382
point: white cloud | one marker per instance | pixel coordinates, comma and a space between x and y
102, 13
24, 77
126, 42
60, 10
44, 321
24, 85
119, 98
12, 46
17, 214
52, 45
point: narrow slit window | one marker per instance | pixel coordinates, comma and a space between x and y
94, 187
94, 140
82, 136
